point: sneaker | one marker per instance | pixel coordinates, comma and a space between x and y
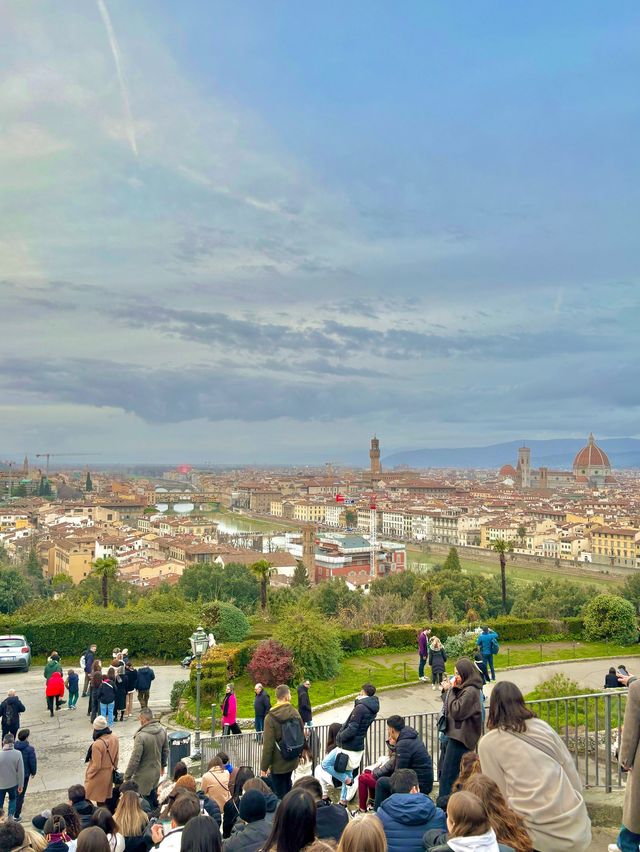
433, 686
423, 679
613, 847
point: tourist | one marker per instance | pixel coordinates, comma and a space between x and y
10, 711
407, 814
131, 677
410, 752
369, 778
294, 825
149, 756
121, 694
54, 691
30, 763
55, 832
166, 787
53, 665
507, 824
102, 759
185, 808
363, 834
132, 786
68, 813
629, 835
330, 819
108, 695
464, 720
93, 839
11, 774
261, 706
481, 665
304, 769
231, 809
86, 664
437, 661
350, 739
77, 797
324, 777
12, 836
252, 829
611, 679
231, 769
468, 828
215, 782
94, 690
132, 822
270, 799
200, 835
103, 818
487, 642
229, 710
423, 653
145, 675
72, 685
548, 795
35, 839
304, 703
283, 742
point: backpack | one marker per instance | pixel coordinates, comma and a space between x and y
292, 739
495, 648
83, 662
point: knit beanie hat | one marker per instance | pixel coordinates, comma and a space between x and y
252, 806
187, 782
100, 723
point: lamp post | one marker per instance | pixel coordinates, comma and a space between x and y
199, 644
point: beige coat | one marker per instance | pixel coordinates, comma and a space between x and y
630, 756
215, 785
546, 791
98, 780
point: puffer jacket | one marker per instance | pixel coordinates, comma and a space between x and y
411, 753
53, 665
55, 685
352, 734
437, 660
406, 817
145, 675
271, 756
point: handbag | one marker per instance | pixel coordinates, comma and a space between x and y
116, 776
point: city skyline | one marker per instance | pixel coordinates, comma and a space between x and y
249, 234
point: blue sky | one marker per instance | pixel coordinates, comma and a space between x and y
259, 231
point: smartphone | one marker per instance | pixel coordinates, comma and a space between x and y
154, 821
452, 679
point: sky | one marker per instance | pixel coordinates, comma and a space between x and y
258, 231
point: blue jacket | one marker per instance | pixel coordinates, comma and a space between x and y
484, 642
28, 757
145, 676
405, 817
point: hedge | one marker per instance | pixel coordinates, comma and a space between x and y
220, 665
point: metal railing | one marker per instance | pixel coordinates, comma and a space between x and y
590, 726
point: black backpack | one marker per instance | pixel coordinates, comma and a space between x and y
291, 740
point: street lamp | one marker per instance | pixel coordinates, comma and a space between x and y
199, 644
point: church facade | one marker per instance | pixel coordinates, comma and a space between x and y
591, 468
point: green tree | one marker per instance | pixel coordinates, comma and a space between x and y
240, 586
314, 641
551, 599
350, 517
226, 621
263, 570
332, 596
503, 547
106, 568
201, 581
610, 617
522, 534
89, 590
452, 562
15, 590
61, 583
300, 575
631, 590
404, 583
33, 571
88, 485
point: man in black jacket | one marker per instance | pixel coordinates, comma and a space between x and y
411, 752
304, 704
10, 711
331, 820
82, 806
261, 706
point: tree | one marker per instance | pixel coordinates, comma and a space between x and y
314, 641
350, 517
452, 562
201, 581
33, 570
551, 599
239, 586
332, 596
106, 568
631, 590
263, 570
610, 617
300, 575
503, 547
271, 664
522, 534
226, 621
88, 485
61, 583
15, 590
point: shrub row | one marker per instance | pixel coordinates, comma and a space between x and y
220, 665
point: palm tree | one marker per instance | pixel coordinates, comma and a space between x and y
107, 569
262, 569
503, 547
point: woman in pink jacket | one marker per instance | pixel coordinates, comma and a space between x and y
229, 710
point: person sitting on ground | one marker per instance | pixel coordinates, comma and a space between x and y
231, 769
186, 807
166, 787
321, 774
231, 806
71, 818
93, 839
369, 777
215, 782
252, 829
85, 809
188, 782
133, 787
331, 820
363, 834
12, 836
407, 814
200, 835
103, 818
35, 839
132, 822
55, 832
294, 826
611, 679
270, 799
507, 824
468, 828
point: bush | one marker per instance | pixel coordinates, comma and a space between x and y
400, 635
461, 645
373, 639
352, 640
610, 617
314, 642
557, 686
220, 664
177, 692
226, 621
271, 664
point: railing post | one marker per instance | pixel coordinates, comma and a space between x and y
213, 720
607, 743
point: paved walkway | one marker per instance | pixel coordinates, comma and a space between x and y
423, 699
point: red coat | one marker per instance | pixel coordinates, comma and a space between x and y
55, 685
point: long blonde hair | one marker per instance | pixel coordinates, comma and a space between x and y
130, 817
435, 644
363, 834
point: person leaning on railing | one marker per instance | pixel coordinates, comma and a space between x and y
629, 836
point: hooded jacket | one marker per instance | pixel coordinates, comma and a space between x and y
304, 704
485, 641
149, 756
271, 756
406, 817
464, 710
29, 758
53, 665
85, 810
411, 753
352, 734
437, 842
249, 837
145, 675
107, 691
55, 685
437, 660
10, 710
331, 820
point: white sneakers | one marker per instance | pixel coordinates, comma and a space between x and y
613, 847
424, 679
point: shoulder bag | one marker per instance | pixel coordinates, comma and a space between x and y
116, 777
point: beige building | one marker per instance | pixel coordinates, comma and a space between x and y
312, 513
73, 556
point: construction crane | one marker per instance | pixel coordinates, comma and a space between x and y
56, 455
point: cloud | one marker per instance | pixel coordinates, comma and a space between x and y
29, 141
115, 50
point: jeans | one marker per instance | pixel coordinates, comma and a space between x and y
20, 796
450, 765
628, 841
436, 677
259, 725
487, 659
281, 783
13, 795
106, 710
421, 665
73, 698
366, 787
328, 766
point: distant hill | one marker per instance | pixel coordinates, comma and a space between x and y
555, 453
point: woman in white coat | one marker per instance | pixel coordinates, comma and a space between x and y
535, 772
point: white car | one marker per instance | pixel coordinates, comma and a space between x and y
15, 653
